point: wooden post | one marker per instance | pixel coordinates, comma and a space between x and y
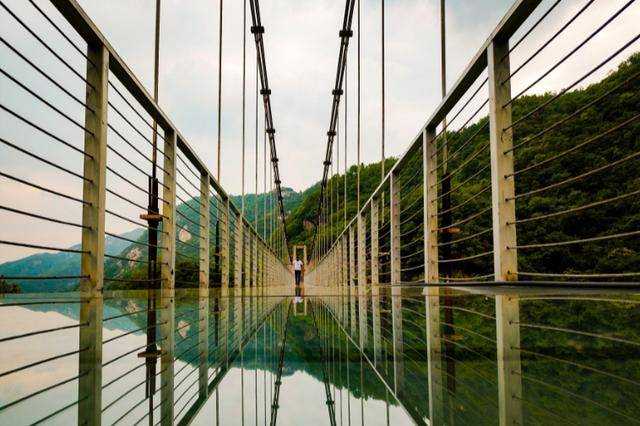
505, 256
432, 292
203, 293
167, 273
92, 261
396, 291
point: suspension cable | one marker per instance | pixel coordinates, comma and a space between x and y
258, 31
345, 34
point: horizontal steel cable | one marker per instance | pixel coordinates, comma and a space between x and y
44, 101
575, 147
459, 185
38, 332
45, 75
577, 209
559, 389
566, 89
553, 37
45, 45
44, 160
42, 361
37, 216
42, 130
574, 50
461, 259
530, 30
126, 101
575, 113
41, 391
468, 237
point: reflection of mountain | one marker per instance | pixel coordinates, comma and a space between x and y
72, 310
58, 264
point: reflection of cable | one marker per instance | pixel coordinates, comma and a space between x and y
276, 395
327, 387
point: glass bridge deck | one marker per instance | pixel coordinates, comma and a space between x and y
330, 356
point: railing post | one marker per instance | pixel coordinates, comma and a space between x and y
345, 276
237, 258
203, 292
362, 279
352, 279
247, 257
504, 233
254, 260
396, 290
167, 274
375, 282
224, 244
432, 292
224, 289
92, 260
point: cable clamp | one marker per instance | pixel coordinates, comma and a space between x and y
257, 29
346, 33
331, 133
337, 92
271, 131
265, 92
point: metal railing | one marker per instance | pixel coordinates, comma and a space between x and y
503, 188
81, 142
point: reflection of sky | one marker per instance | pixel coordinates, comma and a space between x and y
18, 320
302, 401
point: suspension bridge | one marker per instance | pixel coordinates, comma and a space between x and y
487, 275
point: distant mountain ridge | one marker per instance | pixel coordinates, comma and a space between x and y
68, 264
58, 264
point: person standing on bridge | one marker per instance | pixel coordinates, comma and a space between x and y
297, 268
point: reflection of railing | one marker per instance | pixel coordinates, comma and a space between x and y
206, 344
87, 143
446, 211
573, 371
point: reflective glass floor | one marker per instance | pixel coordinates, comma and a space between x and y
330, 356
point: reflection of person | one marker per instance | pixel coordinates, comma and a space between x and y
297, 267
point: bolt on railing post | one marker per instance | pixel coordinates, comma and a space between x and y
396, 290
203, 288
504, 233
167, 274
375, 282
432, 292
93, 218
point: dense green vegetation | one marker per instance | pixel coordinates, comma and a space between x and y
592, 133
6, 287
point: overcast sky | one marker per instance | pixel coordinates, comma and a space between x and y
301, 43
